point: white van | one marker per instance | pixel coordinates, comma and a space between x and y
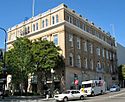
94, 87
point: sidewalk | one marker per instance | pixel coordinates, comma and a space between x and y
25, 98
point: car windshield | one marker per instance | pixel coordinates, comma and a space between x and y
86, 85
113, 87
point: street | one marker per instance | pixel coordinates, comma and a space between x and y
109, 97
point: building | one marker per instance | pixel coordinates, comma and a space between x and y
120, 55
89, 52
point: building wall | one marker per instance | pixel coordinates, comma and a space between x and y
120, 54
88, 50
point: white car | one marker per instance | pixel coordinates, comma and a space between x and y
70, 95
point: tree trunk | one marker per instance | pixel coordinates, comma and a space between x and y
26, 85
39, 82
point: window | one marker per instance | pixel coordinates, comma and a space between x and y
91, 64
98, 65
71, 39
28, 29
21, 32
103, 52
36, 26
85, 63
85, 45
107, 56
71, 59
53, 20
42, 23
78, 62
91, 48
110, 55
33, 27
78, 43
13, 36
98, 51
55, 39
44, 38
70, 19
57, 18
46, 22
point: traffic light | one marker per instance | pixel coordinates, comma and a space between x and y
76, 81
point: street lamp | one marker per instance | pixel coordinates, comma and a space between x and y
52, 87
4, 60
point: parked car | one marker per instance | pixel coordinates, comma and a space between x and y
114, 88
70, 95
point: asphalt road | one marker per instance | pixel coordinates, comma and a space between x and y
109, 97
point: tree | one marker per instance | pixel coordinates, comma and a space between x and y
19, 61
45, 57
121, 74
36, 58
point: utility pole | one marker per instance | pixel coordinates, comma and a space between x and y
33, 8
4, 65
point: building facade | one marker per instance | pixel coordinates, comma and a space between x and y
89, 52
120, 55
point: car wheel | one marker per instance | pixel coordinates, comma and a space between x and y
92, 94
65, 99
82, 97
101, 92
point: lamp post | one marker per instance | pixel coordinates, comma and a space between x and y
52, 87
4, 60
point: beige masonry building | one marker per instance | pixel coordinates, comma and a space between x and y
89, 52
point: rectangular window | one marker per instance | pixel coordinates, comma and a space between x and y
70, 60
103, 52
33, 27
57, 18
91, 48
78, 43
71, 39
85, 45
55, 39
85, 63
91, 64
36, 26
53, 20
46, 22
98, 51
42, 23
107, 55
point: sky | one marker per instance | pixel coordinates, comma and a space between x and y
107, 14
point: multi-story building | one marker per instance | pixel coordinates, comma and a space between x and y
120, 55
89, 52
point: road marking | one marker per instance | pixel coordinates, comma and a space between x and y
116, 95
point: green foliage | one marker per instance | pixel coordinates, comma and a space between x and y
121, 72
45, 54
31, 57
19, 59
